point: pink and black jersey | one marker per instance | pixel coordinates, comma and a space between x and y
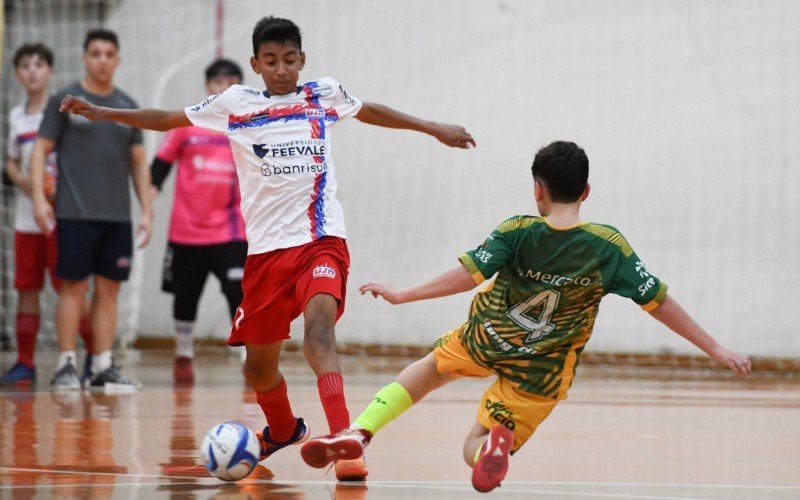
282, 149
206, 208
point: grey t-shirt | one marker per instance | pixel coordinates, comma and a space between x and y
94, 158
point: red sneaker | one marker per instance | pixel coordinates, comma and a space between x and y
183, 371
351, 470
348, 444
492, 464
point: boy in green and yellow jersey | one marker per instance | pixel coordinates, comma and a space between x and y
529, 327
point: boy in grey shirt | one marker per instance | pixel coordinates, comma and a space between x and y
95, 162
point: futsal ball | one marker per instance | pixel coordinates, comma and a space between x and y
230, 451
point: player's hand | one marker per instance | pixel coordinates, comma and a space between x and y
381, 289
454, 136
77, 106
43, 213
144, 230
738, 363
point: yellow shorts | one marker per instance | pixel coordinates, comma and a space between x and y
503, 402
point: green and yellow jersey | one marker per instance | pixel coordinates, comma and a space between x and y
532, 323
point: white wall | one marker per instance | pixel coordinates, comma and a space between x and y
687, 109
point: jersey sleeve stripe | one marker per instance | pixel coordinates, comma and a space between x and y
476, 273
661, 294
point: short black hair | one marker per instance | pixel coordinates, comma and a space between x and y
100, 34
223, 67
33, 49
563, 168
277, 30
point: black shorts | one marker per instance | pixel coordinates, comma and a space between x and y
93, 247
186, 267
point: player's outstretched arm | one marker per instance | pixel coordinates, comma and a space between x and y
671, 314
150, 119
452, 282
384, 116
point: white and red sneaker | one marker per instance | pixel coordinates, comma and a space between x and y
348, 444
492, 464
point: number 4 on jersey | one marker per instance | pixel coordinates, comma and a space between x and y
534, 314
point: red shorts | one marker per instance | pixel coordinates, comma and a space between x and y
278, 284
33, 253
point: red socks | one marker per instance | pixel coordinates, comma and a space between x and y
27, 328
275, 405
331, 393
85, 331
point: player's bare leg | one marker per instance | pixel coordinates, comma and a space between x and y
319, 343
262, 373
104, 313
319, 347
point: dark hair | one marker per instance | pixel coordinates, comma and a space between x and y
100, 34
33, 49
277, 30
563, 168
223, 67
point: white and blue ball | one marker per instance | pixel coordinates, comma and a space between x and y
230, 451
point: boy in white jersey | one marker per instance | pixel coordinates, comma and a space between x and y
34, 252
297, 257
206, 230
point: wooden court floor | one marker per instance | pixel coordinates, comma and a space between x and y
630, 433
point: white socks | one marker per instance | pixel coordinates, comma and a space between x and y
65, 357
100, 362
184, 339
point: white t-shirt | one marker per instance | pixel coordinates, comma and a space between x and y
282, 150
22, 129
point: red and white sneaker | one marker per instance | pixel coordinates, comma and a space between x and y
351, 470
348, 444
492, 464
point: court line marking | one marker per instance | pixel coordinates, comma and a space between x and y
399, 484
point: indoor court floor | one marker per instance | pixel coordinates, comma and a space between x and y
623, 433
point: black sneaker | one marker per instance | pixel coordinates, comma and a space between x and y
66, 379
111, 380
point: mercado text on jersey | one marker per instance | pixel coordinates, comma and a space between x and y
282, 149
532, 323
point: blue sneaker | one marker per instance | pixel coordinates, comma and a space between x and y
268, 446
19, 374
86, 376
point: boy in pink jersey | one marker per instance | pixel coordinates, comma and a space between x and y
34, 252
297, 257
206, 230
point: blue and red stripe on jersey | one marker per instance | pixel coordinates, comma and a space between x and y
296, 112
316, 209
26, 137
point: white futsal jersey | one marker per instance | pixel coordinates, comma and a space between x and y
22, 129
282, 149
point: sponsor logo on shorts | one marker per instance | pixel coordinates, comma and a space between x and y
501, 413
238, 318
324, 271
124, 262
235, 274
